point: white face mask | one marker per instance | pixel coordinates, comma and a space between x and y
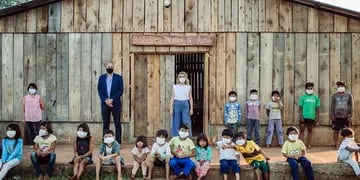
240, 142
109, 140
10, 133
253, 96
226, 140
32, 90
273, 98
43, 133
293, 137
232, 98
182, 80
183, 134
160, 140
81, 134
309, 91
341, 89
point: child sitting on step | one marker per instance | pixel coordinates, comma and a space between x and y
347, 148
139, 153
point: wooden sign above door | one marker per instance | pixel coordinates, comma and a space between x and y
165, 40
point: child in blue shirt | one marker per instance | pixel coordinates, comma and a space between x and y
11, 149
232, 112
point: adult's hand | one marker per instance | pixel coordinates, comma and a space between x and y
171, 112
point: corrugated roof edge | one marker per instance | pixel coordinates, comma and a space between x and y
24, 6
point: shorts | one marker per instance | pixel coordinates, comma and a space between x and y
263, 165
89, 160
225, 166
111, 161
160, 163
308, 122
340, 123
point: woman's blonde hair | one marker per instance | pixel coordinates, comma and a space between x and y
187, 81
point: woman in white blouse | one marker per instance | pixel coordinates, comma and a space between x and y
181, 104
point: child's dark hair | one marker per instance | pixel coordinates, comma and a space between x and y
240, 134
108, 131
16, 128
33, 85
253, 91
184, 126
292, 128
232, 93
162, 132
203, 137
346, 132
227, 132
47, 124
142, 139
275, 92
85, 128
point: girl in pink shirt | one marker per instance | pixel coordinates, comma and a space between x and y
32, 107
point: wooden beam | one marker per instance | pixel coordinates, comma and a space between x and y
24, 7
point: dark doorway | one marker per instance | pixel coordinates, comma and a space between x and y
193, 64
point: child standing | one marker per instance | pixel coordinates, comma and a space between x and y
252, 109
44, 153
160, 153
273, 111
11, 149
182, 148
139, 153
32, 108
294, 150
232, 112
227, 155
347, 148
253, 155
83, 147
109, 153
203, 156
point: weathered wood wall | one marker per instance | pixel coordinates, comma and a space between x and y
183, 16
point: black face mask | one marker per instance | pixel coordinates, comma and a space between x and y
109, 70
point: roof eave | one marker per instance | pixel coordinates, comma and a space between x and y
24, 7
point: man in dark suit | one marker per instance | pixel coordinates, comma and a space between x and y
110, 89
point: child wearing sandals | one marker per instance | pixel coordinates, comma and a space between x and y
139, 153
203, 156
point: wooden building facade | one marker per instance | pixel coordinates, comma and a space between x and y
263, 44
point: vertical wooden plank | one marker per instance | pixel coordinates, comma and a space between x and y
242, 15
2, 26
353, 25
80, 15
41, 67
299, 23
1, 67
234, 15
67, 16
169, 82
42, 19
248, 19
289, 80
241, 68
178, 16
29, 59
18, 76
266, 71
106, 49
92, 15
255, 12
191, 16
335, 67
117, 58
50, 80
85, 83
105, 16
74, 76
212, 84
299, 71
345, 59
162, 89
327, 21
285, 16
313, 20
31, 20
206, 94
160, 18
117, 16
96, 71
324, 78
230, 61
220, 75
253, 63
128, 16
221, 15
272, 22
7, 77
127, 70
9, 24
278, 62
141, 96
151, 16
262, 15
54, 17
204, 11
355, 80
313, 60
214, 17
20, 25
166, 17
340, 23
156, 95
228, 15
139, 16
62, 77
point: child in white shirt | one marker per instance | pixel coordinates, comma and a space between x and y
139, 153
347, 148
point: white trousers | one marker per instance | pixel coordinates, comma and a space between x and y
7, 166
353, 164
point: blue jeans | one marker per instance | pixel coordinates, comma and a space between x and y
36, 161
181, 116
277, 124
106, 113
225, 166
33, 130
253, 125
179, 165
305, 163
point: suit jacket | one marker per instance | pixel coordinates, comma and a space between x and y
115, 92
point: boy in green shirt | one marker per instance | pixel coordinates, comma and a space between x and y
309, 104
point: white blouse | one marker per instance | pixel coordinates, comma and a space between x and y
181, 92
